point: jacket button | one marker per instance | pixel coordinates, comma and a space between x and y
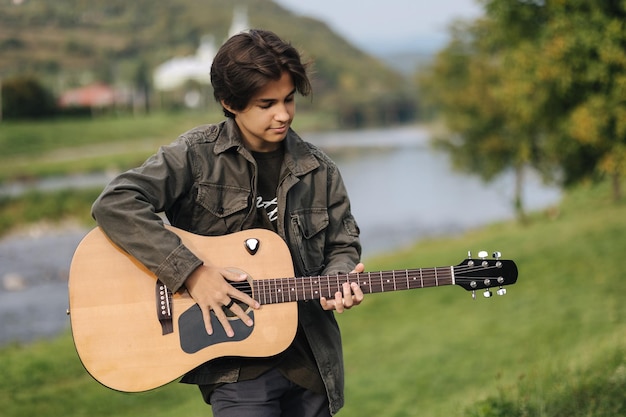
220, 210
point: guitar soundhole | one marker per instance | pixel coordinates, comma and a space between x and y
245, 287
229, 313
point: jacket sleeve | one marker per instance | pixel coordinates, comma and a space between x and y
343, 247
127, 211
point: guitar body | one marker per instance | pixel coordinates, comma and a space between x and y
114, 311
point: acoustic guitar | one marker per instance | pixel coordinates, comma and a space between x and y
132, 334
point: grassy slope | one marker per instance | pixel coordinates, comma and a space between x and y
435, 352
429, 352
69, 146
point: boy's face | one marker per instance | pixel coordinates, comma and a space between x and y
265, 121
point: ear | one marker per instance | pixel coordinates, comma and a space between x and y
227, 107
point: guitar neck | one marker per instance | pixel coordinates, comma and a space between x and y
285, 290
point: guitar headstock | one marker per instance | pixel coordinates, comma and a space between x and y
483, 273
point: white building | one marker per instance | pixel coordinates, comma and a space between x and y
174, 73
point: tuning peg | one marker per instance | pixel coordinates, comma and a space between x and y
473, 294
501, 291
483, 254
497, 255
487, 293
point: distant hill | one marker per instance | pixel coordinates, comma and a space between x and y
407, 63
68, 43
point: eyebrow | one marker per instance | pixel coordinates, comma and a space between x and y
272, 100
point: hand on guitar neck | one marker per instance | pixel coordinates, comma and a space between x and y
352, 295
209, 286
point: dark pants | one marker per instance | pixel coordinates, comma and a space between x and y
270, 395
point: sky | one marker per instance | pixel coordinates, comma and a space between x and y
384, 26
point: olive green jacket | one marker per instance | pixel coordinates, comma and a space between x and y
205, 183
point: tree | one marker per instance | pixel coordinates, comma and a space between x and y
24, 97
536, 83
480, 86
583, 58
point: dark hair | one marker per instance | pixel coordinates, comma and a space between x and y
246, 62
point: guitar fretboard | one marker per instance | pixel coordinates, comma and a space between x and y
284, 290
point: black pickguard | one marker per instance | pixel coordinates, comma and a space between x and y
193, 335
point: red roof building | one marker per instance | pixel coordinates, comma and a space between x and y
93, 96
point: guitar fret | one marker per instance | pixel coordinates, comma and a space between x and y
341, 279
278, 284
311, 291
275, 290
416, 283
330, 291
260, 292
292, 289
306, 282
421, 278
436, 278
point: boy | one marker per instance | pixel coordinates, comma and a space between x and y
250, 170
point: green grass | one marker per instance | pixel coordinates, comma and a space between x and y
597, 390
31, 150
436, 352
68, 146
555, 345
51, 207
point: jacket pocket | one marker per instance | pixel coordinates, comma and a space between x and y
222, 208
309, 230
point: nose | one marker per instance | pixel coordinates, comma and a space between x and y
283, 113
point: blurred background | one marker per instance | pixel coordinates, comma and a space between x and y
454, 123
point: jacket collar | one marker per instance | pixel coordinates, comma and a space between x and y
298, 156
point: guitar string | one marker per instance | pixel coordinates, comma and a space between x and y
397, 275
430, 276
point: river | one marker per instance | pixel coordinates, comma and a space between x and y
400, 188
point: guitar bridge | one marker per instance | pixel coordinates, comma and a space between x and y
164, 307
